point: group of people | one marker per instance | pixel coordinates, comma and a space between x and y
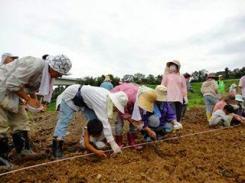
150, 112
153, 112
223, 109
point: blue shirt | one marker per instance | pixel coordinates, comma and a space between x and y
107, 85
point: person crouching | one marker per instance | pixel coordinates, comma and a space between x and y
222, 117
93, 138
163, 119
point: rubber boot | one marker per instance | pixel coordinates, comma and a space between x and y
57, 148
4, 150
22, 145
209, 115
131, 141
119, 140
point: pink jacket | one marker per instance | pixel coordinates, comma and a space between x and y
131, 90
219, 105
176, 87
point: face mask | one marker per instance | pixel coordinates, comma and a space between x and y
173, 68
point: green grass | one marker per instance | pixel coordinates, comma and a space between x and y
51, 106
196, 98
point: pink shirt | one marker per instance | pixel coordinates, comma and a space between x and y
131, 91
176, 87
242, 85
219, 105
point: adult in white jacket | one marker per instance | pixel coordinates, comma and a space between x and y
95, 103
19, 82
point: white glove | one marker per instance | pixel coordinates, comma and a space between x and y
185, 100
177, 125
116, 149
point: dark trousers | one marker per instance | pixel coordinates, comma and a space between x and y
177, 107
184, 108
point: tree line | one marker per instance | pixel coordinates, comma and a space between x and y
139, 78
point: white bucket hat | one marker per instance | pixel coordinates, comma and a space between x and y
60, 63
176, 62
119, 99
154, 121
161, 92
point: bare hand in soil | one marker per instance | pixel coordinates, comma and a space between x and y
101, 154
151, 133
34, 103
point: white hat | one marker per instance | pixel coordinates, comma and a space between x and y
119, 99
176, 62
5, 55
154, 121
239, 98
60, 63
100, 145
161, 92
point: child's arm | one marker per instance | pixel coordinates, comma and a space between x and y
91, 148
239, 118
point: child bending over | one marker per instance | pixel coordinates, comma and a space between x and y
222, 117
93, 138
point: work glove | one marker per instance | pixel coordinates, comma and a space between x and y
177, 125
185, 100
116, 149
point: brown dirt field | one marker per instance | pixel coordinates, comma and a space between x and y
212, 157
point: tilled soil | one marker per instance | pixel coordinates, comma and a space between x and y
218, 156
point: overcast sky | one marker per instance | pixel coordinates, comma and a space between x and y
127, 36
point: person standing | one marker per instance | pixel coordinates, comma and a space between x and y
242, 86
221, 86
209, 90
176, 87
189, 89
107, 83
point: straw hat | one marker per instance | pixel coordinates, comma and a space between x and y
147, 99
161, 92
107, 78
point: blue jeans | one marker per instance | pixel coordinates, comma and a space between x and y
89, 114
210, 101
65, 116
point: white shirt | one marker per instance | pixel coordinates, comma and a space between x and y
220, 116
96, 99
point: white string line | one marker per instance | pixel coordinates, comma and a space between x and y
126, 147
